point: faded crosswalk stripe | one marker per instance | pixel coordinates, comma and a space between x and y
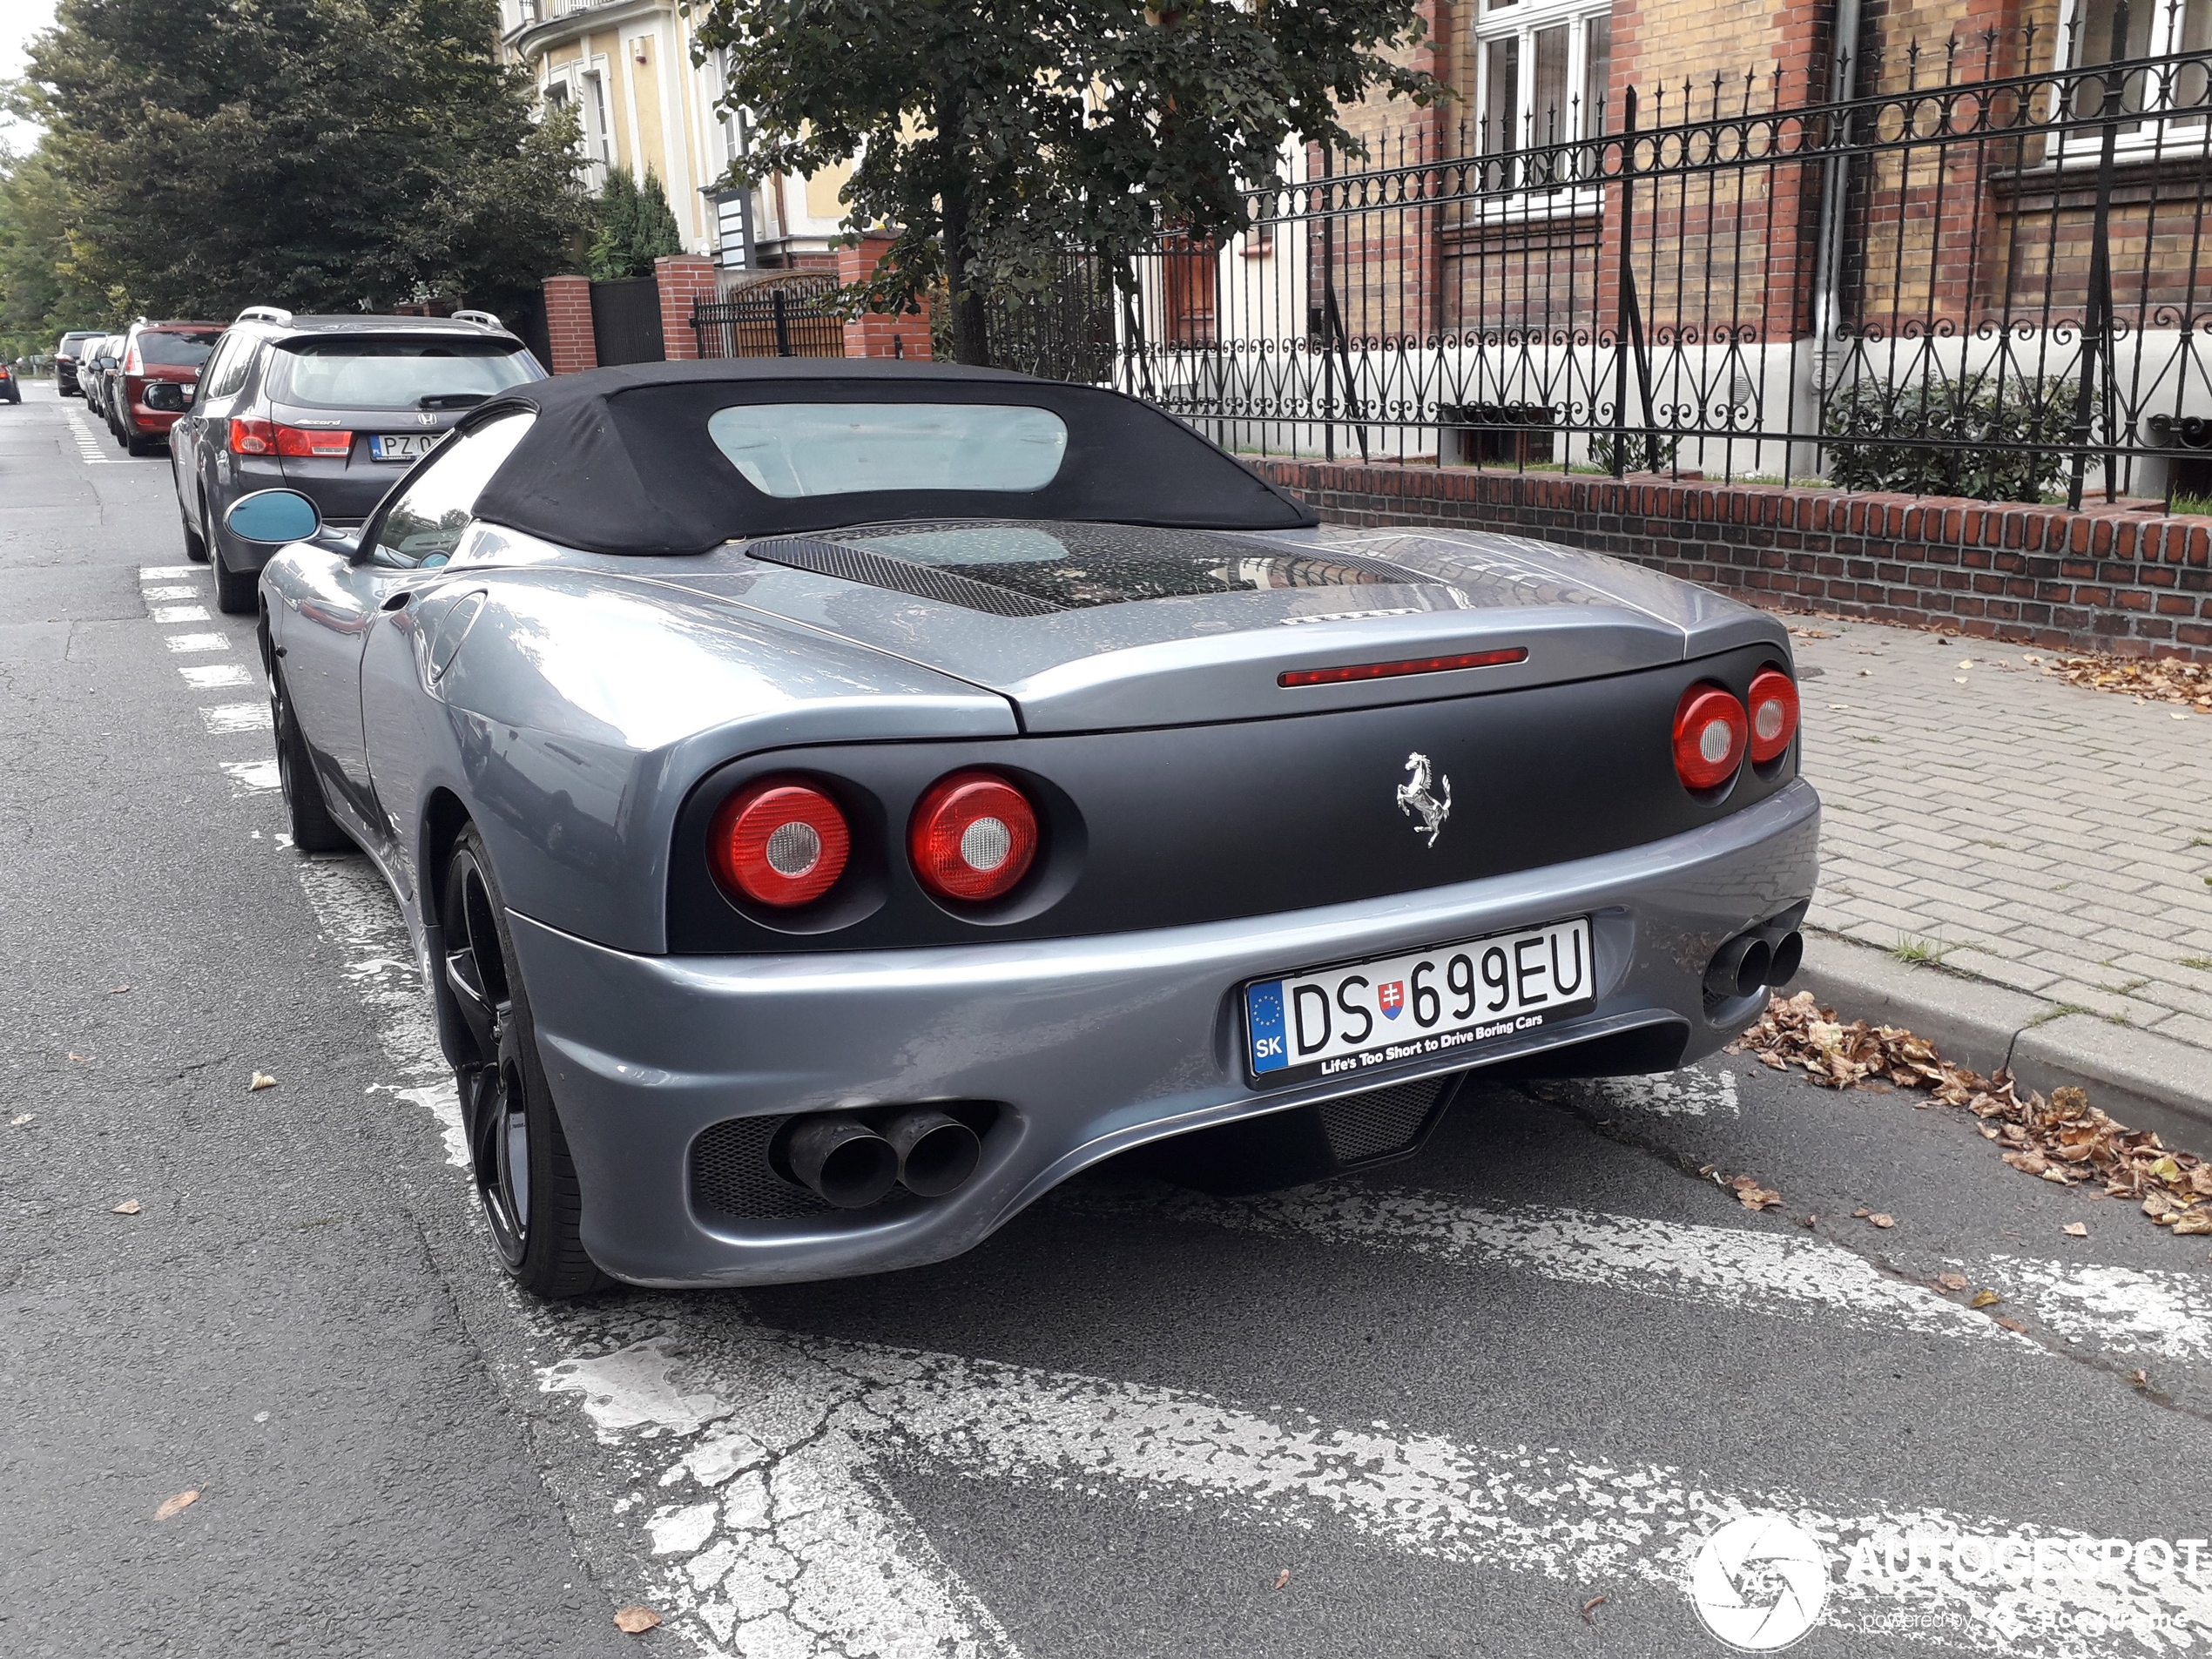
751, 1460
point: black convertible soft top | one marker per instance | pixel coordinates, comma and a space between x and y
619, 460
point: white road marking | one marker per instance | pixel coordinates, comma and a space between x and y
181, 591
1776, 1274
177, 613
210, 676
197, 641
751, 1452
784, 1545
164, 572
227, 717
2134, 1310
788, 1435
253, 776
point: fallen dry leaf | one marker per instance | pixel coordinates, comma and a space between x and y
1951, 1281
2014, 1326
2140, 1378
80, 1058
1986, 1298
2075, 1230
261, 1079
171, 1506
1881, 1220
20, 1118
117, 990
1861, 1213
1808, 1221
1592, 1606
636, 1621
2163, 681
2064, 1140
1282, 1578
128, 1207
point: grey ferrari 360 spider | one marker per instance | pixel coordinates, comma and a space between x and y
836, 802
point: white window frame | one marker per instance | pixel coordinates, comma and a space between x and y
2168, 26
1524, 20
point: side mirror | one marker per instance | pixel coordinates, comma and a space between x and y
168, 396
272, 517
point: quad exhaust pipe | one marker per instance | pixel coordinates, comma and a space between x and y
844, 1162
1765, 955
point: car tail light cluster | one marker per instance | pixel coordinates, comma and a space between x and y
252, 438
780, 843
133, 363
1713, 731
973, 837
784, 842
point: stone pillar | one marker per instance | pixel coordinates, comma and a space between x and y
568, 325
681, 278
877, 334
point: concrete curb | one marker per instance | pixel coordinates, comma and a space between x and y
2144, 1080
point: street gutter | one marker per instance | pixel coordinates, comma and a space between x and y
2139, 1078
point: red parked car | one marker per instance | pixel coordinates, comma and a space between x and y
157, 355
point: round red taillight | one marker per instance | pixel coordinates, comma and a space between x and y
780, 842
1710, 732
973, 836
1774, 713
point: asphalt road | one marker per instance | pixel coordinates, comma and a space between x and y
1442, 1410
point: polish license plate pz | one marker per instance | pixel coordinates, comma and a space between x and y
402, 446
1421, 1006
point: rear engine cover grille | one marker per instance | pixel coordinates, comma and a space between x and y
731, 1178
1382, 1121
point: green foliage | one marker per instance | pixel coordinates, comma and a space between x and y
2019, 413
1642, 451
632, 225
990, 134
40, 294
317, 154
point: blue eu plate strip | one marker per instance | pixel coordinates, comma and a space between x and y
1263, 1020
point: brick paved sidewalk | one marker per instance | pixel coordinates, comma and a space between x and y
2042, 836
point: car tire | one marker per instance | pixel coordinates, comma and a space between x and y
195, 541
525, 1178
235, 595
313, 830
142, 445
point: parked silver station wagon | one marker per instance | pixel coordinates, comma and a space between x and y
836, 802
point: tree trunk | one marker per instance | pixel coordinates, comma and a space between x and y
970, 341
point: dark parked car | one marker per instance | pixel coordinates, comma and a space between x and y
841, 802
335, 408
93, 368
167, 355
67, 354
11, 388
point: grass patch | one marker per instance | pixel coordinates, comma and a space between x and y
1920, 953
2197, 962
2187, 503
2057, 1011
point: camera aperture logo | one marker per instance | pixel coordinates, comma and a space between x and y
1760, 1582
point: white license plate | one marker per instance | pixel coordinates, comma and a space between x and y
1392, 1010
402, 446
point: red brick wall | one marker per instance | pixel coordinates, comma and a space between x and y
568, 325
877, 334
681, 278
2134, 582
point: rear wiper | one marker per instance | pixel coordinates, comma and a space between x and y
451, 400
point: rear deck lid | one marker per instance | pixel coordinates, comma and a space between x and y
1096, 627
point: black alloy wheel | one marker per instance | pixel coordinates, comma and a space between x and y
525, 1178
313, 830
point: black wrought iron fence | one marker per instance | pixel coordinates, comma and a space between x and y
777, 313
1966, 281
